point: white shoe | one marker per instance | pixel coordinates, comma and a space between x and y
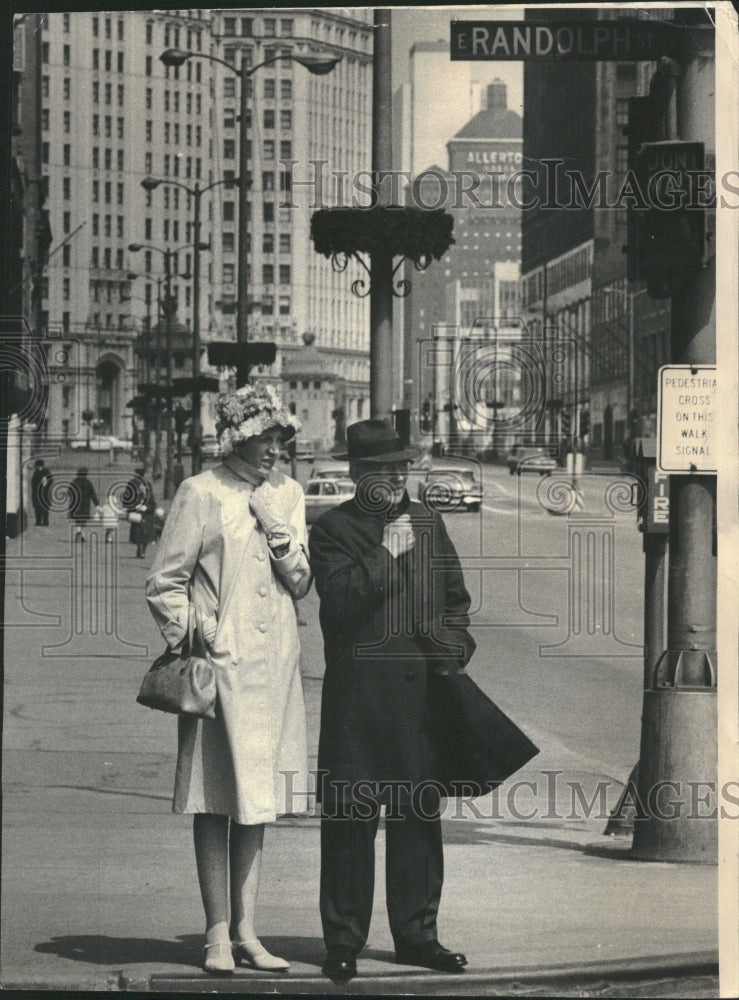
218, 957
258, 957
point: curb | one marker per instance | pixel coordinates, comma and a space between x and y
505, 981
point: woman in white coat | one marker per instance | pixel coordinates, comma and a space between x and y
233, 555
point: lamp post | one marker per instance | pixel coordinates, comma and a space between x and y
167, 254
196, 193
318, 66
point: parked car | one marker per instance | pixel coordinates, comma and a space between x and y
323, 494
305, 450
530, 458
209, 447
100, 442
451, 489
328, 468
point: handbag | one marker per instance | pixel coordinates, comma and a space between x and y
475, 745
182, 683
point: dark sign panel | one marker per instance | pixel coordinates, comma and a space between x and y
571, 40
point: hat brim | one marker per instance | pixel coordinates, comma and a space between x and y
404, 455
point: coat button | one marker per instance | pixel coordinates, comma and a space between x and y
260, 556
262, 591
410, 676
263, 627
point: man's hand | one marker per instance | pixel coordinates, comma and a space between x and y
398, 536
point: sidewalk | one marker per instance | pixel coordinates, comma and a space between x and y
99, 886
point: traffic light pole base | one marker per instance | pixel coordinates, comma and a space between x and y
677, 813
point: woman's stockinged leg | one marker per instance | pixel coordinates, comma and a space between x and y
245, 854
210, 834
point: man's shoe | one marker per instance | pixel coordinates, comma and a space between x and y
432, 955
340, 966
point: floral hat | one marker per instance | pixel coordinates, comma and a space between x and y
250, 411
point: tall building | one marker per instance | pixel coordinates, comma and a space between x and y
112, 114
476, 281
574, 287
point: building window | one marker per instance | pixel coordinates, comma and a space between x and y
95, 258
286, 119
67, 155
229, 242
67, 88
149, 98
270, 26
120, 95
95, 149
268, 274
66, 54
247, 24
228, 211
229, 26
284, 242
269, 149
286, 89
269, 89
45, 86
107, 192
149, 129
67, 255
229, 149
96, 26
284, 305
120, 62
66, 188
96, 58
147, 229
108, 159
268, 243
286, 27
284, 274
108, 60
95, 224
286, 150
120, 193
228, 274
45, 120
120, 31
66, 289
120, 128
268, 180
45, 52
269, 117
229, 87
96, 191
229, 54
149, 32
65, 23
268, 211
148, 163
67, 222
149, 64
108, 28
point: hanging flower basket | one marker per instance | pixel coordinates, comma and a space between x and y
414, 233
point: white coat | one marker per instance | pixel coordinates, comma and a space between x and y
250, 763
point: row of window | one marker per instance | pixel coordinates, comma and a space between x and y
266, 305
269, 54
196, 73
107, 192
107, 158
194, 39
107, 225
108, 126
268, 149
108, 93
66, 88
108, 27
268, 212
174, 104
107, 258
269, 26
108, 60
172, 133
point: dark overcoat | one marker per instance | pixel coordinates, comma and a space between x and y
140, 493
82, 498
386, 622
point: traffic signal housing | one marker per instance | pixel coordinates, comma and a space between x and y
566, 423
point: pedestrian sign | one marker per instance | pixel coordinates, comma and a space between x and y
686, 419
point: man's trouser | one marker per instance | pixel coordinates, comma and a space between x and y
414, 873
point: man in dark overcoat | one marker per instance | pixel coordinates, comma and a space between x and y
41, 485
393, 606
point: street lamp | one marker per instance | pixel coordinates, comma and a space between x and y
167, 254
196, 193
315, 64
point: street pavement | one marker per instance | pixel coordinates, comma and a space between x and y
99, 887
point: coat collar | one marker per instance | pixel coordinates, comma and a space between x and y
249, 474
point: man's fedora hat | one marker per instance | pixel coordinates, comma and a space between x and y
375, 441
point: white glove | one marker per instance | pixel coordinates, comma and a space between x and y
265, 505
398, 536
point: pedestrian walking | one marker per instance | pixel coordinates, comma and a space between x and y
41, 484
235, 539
384, 621
138, 499
82, 499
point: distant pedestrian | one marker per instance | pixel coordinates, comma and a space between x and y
138, 500
41, 483
81, 501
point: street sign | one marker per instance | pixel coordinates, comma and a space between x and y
572, 41
686, 406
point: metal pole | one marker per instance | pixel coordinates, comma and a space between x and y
168, 335
156, 465
381, 269
679, 726
195, 418
242, 305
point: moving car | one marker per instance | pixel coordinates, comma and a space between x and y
530, 458
450, 489
323, 494
330, 469
305, 450
209, 446
100, 442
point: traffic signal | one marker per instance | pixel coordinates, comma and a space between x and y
566, 423
426, 417
584, 422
